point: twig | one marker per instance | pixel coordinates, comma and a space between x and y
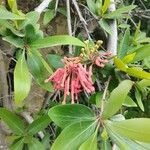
3, 77
104, 95
42, 6
112, 40
29, 119
81, 18
69, 23
56, 6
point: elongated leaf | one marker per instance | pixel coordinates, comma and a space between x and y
38, 70
35, 145
48, 16
123, 48
117, 97
91, 5
64, 115
119, 64
90, 143
105, 6
105, 145
17, 145
128, 58
22, 80
12, 120
39, 124
135, 129
105, 26
74, 135
129, 102
144, 83
142, 53
139, 99
55, 61
136, 72
119, 13
4, 14
55, 41
122, 142
14, 40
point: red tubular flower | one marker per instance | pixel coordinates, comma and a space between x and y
72, 79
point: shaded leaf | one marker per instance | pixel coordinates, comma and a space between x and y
116, 99
48, 16
124, 44
22, 79
91, 5
64, 115
55, 61
39, 124
34, 144
105, 26
55, 41
17, 145
74, 135
12, 120
144, 83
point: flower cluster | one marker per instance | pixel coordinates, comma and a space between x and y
72, 79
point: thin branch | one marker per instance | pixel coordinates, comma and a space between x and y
42, 6
112, 40
3, 77
104, 95
81, 18
69, 22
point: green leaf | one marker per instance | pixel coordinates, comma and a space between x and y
137, 72
22, 80
117, 97
5, 14
90, 143
55, 61
105, 26
119, 64
119, 13
144, 83
105, 6
38, 70
128, 58
48, 16
55, 41
105, 145
147, 62
64, 115
14, 40
129, 102
38, 124
91, 5
17, 145
139, 99
12, 120
122, 142
135, 129
142, 52
74, 135
35, 144
124, 45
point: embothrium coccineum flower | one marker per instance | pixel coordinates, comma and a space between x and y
72, 79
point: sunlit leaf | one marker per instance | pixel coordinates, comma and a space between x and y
90, 143
64, 115
119, 64
13, 121
135, 129
55, 41
17, 145
116, 99
128, 58
105, 6
74, 135
129, 102
34, 144
22, 80
48, 16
